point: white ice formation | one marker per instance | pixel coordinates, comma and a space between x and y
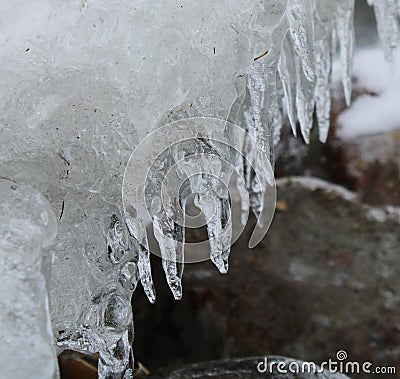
81, 83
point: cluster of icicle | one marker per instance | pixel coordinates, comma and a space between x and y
90, 291
292, 79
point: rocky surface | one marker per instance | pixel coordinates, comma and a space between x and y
368, 165
374, 164
324, 279
241, 369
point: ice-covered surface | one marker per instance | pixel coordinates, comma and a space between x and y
27, 224
82, 82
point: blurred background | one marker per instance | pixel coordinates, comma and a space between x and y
325, 278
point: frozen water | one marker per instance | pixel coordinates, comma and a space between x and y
82, 83
189, 164
27, 224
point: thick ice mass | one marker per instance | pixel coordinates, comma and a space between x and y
82, 83
27, 225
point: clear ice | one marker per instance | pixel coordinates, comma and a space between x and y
82, 83
27, 225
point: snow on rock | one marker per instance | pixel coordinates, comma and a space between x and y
377, 110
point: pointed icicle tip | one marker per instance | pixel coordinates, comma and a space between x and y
293, 125
221, 264
151, 295
177, 290
347, 91
323, 138
323, 134
306, 135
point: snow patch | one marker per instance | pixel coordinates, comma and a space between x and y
377, 110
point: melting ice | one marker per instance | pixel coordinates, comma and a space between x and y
83, 82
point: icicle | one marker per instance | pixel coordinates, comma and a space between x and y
301, 26
136, 229
219, 226
244, 161
170, 237
209, 180
386, 13
116, 361
322, 89
257, 89
276, 111
286, 69
262, 90
345, 34
164, 209
242, 189
304, 101
115, 319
